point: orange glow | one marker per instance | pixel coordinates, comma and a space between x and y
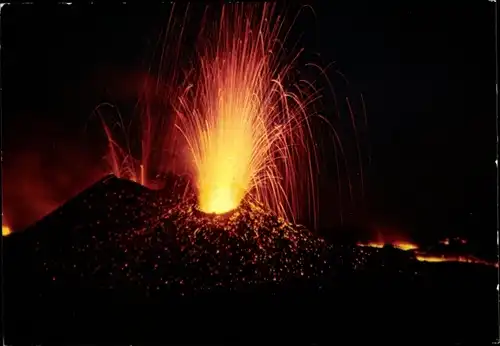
36, 180
6, 230
404, 246
397, 244
448, 241
245, 132
374, 245
142, 175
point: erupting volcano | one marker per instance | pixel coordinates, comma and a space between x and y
245, 124
214, 188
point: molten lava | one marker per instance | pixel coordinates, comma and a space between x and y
402, 245
238, 127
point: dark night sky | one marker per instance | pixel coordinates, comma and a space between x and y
426, 72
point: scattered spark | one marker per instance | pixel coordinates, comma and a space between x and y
191, 251
445, 241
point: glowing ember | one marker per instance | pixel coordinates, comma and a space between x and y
448, 241
249, 222
445, 241
177, 247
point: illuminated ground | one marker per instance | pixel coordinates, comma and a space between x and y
137, 233
122, 255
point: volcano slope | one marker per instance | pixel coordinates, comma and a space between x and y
120, 262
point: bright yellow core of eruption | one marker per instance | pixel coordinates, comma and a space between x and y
224, 172
238, 119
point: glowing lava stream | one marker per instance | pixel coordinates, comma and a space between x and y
245, 133
399, 245
424, 257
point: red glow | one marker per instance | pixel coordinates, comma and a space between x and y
36, 183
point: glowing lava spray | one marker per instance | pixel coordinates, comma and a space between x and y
245, 132
242, 116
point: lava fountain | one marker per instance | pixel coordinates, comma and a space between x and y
146, 146
245, 132
239, 120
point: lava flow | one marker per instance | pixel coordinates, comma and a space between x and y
402, 245
424, 256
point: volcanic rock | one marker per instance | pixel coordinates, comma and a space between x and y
122, 261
